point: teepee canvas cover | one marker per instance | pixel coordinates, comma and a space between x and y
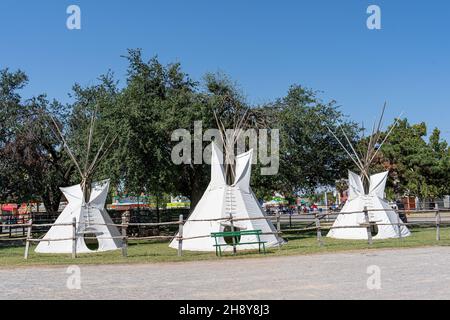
379, 211
220, 201
91, 218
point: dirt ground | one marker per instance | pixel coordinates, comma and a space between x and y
379, 274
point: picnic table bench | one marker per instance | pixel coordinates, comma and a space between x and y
238, 234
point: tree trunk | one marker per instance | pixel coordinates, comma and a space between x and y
52, 195
196, 195
51, 202
195, 186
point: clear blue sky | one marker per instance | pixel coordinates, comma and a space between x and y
264, 45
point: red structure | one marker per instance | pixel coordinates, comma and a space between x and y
9, 207
409, 203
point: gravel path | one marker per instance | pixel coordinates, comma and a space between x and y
404, 274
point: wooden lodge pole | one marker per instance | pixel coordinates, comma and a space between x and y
27, 244
74, 238
180, 236
369, 232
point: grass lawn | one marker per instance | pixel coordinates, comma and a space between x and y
154, 252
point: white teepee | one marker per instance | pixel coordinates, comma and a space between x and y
367, 191
222, 201
379, 211
92, 220
86, 203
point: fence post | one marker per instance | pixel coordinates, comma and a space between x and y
319, 230
279, 227
438, 222
369, 232
278, 222
27, 244
399, 225
23, 223
233, 238
74, 238
10, 222
180, 236
124, 235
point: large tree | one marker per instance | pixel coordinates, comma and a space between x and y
310, 157
417, 168
33, 166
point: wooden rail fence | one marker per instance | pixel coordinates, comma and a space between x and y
315, 225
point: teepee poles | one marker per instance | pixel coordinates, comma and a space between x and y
223, 136
229, 142
344, 148
374, 138
97, 159
89, 167
371, 141
364, 162
66, 146
387, 136
354, 151
91, 133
